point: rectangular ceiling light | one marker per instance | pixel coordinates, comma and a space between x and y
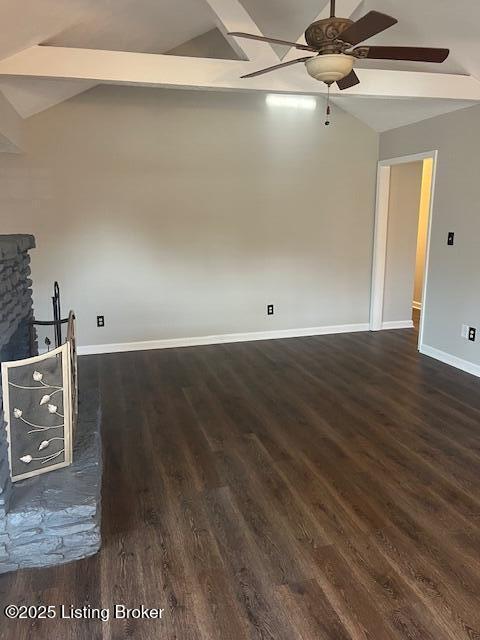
292, 101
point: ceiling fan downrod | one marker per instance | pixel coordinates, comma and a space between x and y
332, 8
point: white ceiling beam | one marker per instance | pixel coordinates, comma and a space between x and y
232, 16
118, 67
347, 8
384, 83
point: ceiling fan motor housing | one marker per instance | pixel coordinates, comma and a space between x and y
323, 34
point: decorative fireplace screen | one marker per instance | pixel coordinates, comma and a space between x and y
40, 405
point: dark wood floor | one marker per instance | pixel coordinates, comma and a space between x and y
321, 488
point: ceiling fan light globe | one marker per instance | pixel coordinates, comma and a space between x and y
330, 67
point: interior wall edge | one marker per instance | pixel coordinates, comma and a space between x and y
452, 271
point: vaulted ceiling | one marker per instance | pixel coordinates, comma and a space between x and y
54, 49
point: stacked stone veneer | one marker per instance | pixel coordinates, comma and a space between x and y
15, 315
55, 517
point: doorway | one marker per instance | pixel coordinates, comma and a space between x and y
422, 234
403, 217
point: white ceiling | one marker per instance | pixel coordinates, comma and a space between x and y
432, 23
145, 26
127, 25
151, 26
283, 19
384, 114
32, 95
188, 28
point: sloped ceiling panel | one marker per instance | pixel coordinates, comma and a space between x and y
429, 23
382, 115
29, 22
188, 28
209, 45
143, 26
284, 19
151, 26
29, 96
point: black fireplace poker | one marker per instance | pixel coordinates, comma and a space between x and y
56, 323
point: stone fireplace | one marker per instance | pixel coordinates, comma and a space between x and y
55, 517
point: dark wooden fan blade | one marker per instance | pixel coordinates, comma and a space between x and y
349, 81
303, 47
416, 54
276, 66
368, 26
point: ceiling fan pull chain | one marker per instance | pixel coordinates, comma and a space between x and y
327, 120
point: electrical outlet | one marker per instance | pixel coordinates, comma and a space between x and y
270, 310
451, 239
100, 321
472, 334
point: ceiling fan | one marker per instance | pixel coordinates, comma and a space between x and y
332, 40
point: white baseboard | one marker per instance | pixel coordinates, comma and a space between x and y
417, 305
453, 361
397, 324
219, 339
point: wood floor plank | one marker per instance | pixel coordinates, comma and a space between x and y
455, 612
283, 530
314, 488
311, 612
255, 594
357, 611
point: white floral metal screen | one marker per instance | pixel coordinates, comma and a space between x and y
40, 403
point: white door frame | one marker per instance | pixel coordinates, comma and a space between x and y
380, 237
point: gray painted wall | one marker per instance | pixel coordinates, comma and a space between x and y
11, 133
184, 213
453, 290
404, 201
